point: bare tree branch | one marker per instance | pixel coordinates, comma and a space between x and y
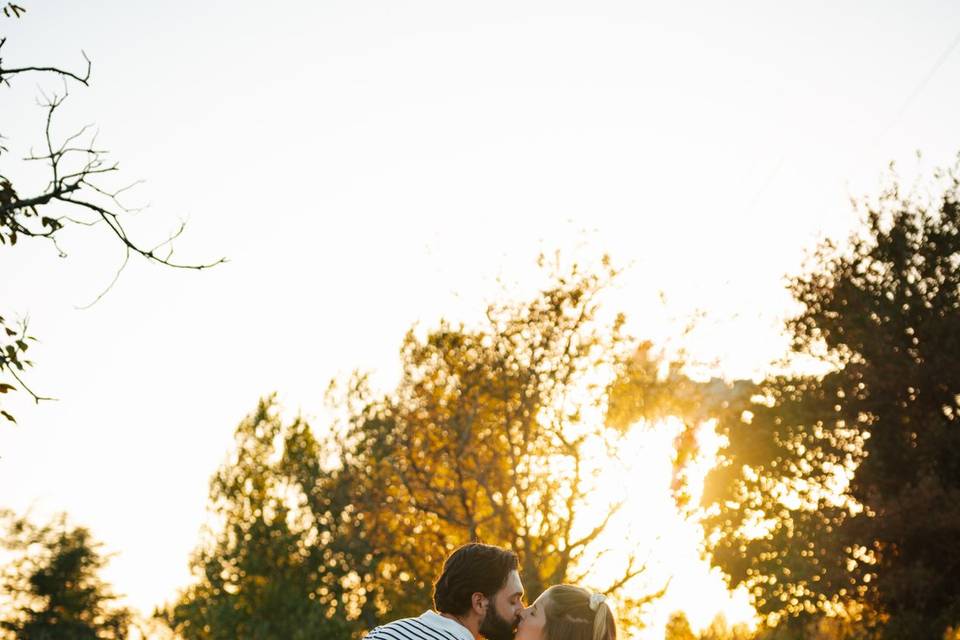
5, 74
630, 573
64, 186
77, 168
123, 265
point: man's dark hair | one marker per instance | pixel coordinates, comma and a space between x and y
471, 568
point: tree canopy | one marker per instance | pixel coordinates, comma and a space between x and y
54, 587
484, 438
257, 571
840, 492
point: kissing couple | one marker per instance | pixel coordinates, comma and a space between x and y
479, 595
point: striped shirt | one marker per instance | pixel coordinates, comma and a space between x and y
430, 626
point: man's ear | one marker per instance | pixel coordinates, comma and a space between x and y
479, 603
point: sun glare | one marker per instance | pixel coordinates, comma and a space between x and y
640, 475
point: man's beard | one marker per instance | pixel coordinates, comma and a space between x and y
494, 627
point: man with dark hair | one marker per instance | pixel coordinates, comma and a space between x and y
478, 594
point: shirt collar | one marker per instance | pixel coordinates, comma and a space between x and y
434, 619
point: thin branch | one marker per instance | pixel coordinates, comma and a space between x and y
630, 573
596, 531
11, 361
110, 218
30, 203
126, 258
580, 577
92, 168
84, 79
36, 398
71, 138
77, 221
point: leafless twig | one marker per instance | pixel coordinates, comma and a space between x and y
6, 74
74, 169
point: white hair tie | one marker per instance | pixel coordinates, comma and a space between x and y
596, 599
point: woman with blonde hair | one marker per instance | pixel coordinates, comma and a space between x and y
567, 612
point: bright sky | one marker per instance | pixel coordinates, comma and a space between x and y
368, 165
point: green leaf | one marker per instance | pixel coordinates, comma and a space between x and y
4, 387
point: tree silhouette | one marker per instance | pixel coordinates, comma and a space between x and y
839, 492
